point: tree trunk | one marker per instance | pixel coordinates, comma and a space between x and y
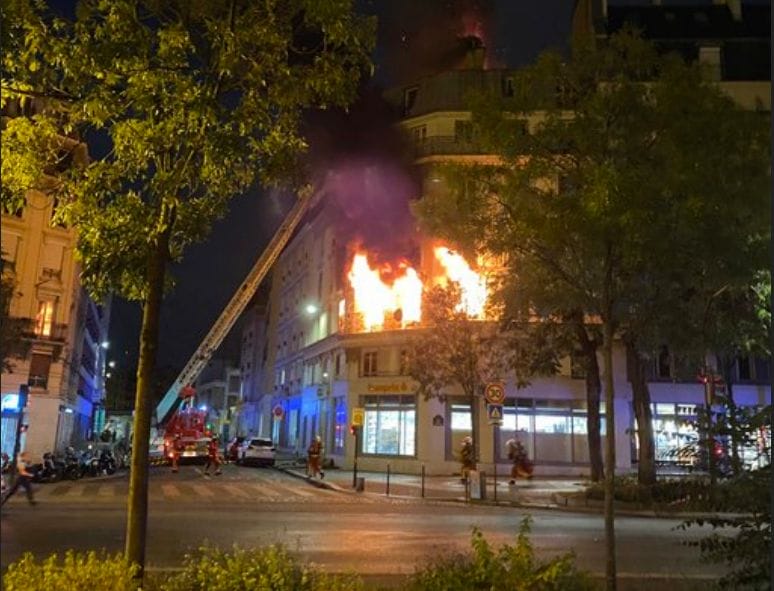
137, 510
607, 354
593, 392
646, 457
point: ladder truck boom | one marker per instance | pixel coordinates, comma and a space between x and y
168, 405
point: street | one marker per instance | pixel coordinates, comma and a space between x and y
340, 531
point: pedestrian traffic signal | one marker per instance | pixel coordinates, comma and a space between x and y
353, 429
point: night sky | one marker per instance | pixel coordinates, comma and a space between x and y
415, 38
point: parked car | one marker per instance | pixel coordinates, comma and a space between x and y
258, 450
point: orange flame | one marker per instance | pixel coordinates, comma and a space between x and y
472, 285
376, 300
398, 304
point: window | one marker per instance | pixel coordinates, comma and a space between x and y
507, 86
409, 99
338, 364
663, 364
460, 417
419, 134
39, 368
744, 369
341, 430
463, 131
44, 318
403, 363
369, 363
390, 425
577, 365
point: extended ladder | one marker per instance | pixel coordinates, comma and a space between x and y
168, 405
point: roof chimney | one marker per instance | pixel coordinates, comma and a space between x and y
734, 6
475, 53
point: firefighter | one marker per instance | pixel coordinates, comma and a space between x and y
213, 457
176, 448
314, 455
467, 457
521, 465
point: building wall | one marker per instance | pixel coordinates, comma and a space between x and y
40, 257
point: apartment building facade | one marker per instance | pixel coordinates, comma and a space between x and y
326, 363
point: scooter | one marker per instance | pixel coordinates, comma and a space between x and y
50, 470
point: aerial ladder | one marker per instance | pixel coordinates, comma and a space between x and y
181, 388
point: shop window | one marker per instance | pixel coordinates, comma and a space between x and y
390, 425
370, 367
341, 430
39, 367
461, 417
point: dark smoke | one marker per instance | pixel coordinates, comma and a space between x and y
362, 162
422, 37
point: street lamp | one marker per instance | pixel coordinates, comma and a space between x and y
311, 309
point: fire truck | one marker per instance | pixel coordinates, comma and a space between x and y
176, 413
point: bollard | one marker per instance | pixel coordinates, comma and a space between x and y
423, 481
495, 481
388, 480
360, 484
467, 489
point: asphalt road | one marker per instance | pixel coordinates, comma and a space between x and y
368, 534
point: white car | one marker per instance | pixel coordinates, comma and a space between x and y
258, 450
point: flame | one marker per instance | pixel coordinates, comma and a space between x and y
386, 298
472, 285
377, 301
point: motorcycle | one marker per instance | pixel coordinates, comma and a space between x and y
51, 470
106, 462
73, 468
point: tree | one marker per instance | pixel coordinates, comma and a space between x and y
621, 176
10, 328
455, 349
197, 100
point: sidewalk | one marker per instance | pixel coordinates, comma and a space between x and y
540, 492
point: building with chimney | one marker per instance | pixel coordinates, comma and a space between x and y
327, 362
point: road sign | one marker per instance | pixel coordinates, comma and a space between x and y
495, 414
358, 416
278, 413
495, 393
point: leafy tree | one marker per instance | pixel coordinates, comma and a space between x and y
621, 178
197, 101
10, 328
456, 349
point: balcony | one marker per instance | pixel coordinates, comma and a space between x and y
57, 333
445, 145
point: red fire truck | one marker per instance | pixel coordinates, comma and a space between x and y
187, 430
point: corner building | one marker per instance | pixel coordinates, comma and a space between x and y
318, 363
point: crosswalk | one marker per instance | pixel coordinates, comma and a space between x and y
197, 490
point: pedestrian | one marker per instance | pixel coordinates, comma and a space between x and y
521, 466
314, 457
213, 457
23, 479
467, 457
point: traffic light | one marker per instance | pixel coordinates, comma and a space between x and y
353, 430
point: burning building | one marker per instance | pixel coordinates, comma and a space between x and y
345, 303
